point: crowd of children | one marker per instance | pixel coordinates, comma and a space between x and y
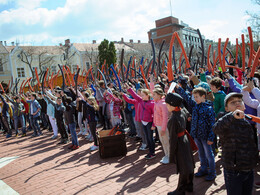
201, 107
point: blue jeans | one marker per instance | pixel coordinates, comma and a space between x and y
206, 156
28, 119
149, 136
74, 137
35, 125
239, 182
20, 119
44, 120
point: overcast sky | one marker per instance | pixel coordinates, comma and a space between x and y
50, 22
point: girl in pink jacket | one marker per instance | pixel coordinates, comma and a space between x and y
138, 123
160, 120
146, 110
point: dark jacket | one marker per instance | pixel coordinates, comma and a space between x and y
203, 117
59, 110
69, 113
239, 150
43, 104
180, 149
89, 112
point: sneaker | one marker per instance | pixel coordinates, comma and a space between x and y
80, 133
94, 147
71, 146
143, 147
201, 173
87, 136
8, 135
66, 141
257, 184
23, 135
150, 156
84, 133
35, 135
165, 160
61, 141
40, 134
75, 147
54, 137
210, 177
16, 135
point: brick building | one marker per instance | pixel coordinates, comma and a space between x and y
165, 27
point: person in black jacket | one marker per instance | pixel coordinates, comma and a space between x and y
180, 148
70, 120
239, 150
59, 110
90, 108
44, 117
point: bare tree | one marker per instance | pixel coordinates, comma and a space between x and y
44, 60
26, 56
66, 56
254, 21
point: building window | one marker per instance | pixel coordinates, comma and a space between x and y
153, 34
20, 72
1, 65
53, 69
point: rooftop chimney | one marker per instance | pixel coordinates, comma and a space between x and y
60, 44
131, 41
122, 40
12, 43
5, 43
1, 42
139, 41
94, 42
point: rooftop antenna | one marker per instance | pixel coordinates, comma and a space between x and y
171, 7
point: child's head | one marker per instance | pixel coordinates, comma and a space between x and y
173, 100
33, 96
17, 99
139, 91
157, 94
92, 101
146, 94
199, 95
101, 83
215, 84
208, 79
234, 101
59, 100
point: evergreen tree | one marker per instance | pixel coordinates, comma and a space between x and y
107, 51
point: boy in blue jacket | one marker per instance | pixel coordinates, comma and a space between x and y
203, 118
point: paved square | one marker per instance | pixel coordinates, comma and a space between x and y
44, 167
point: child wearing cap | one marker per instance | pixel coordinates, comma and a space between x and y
203, 118
239, 150
180, 149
